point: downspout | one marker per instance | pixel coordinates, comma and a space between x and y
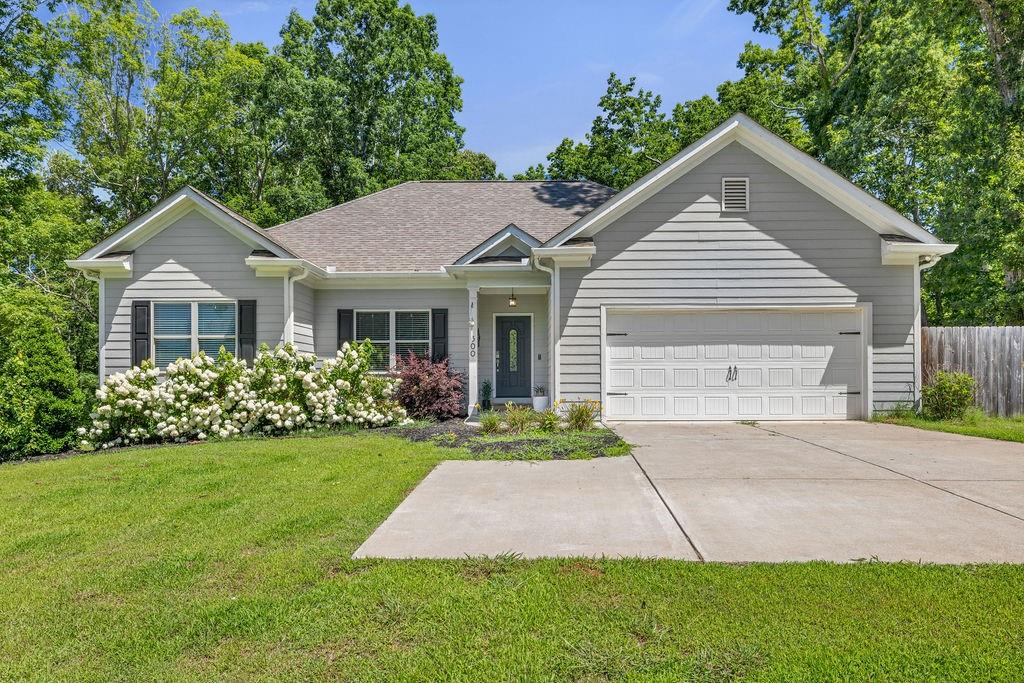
552, 328
102, 362
289, 325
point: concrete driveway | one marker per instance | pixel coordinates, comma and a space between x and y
733, 493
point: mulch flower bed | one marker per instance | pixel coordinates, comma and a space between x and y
457, 434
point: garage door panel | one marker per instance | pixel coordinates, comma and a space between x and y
735, 365
684, 378
748, 378
621, 378
652, 378
686, 406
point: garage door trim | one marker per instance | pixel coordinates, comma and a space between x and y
867, 399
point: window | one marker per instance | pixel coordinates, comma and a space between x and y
394, 334
735, 194
182, 329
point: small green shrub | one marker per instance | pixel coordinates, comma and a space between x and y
949, 396
548, 421
490, 423
518, 418
580, 416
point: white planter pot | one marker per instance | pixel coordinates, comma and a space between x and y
540, 403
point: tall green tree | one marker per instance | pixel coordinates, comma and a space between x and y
918, 102
633, 135
31, 104
380, 98
147, 97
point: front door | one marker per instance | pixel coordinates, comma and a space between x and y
512, 356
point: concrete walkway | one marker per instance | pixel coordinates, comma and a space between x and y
733, 493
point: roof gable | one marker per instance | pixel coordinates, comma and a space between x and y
506, 242
877, 215
177, 205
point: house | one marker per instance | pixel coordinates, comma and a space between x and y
741, 279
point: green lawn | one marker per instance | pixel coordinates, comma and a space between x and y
231, 560
1002, 428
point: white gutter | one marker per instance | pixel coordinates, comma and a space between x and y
911, 253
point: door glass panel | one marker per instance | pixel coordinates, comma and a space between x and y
513, 351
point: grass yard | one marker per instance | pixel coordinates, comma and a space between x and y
1002, 428
231, 560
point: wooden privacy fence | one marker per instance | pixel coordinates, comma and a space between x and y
994, 355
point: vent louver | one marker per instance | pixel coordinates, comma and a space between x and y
735, 194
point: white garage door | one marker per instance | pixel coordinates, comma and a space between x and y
733, 365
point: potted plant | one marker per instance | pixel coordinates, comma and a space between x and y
485, 394
540, 399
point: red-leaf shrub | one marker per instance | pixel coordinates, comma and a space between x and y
428, 389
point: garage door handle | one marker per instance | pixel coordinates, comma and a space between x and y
849, 333
849, 393
616, 334
616, 393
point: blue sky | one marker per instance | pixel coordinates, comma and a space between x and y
534, 70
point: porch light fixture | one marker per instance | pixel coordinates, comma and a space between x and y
512, 301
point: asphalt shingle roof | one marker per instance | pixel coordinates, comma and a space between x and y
423, 225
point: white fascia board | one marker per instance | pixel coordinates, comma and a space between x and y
107, 267
174, 207
809, 171
523, 266
158, 217
511, 230
910, 253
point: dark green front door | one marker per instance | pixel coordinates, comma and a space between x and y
512, 357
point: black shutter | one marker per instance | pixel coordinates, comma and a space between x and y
346, 326
247, 330
438, 334
140, 332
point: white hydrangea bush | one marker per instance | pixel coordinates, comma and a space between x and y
202, 397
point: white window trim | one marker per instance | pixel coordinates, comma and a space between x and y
746, 188
392, 331
194, 324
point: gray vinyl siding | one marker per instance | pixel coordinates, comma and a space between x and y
328, 301
303, 301
792, 247
537, 304
192, 260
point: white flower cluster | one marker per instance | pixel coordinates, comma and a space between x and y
202, 397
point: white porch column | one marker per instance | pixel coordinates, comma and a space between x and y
474, 346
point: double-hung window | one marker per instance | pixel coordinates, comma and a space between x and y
183, 328
394, 335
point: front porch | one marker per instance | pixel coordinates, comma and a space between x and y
510, 344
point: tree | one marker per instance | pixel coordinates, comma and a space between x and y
380, 100
918, 102
536, 172
42, 230
142, 125
31, 106
632, 135
259, 163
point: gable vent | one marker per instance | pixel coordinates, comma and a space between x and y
735, 194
